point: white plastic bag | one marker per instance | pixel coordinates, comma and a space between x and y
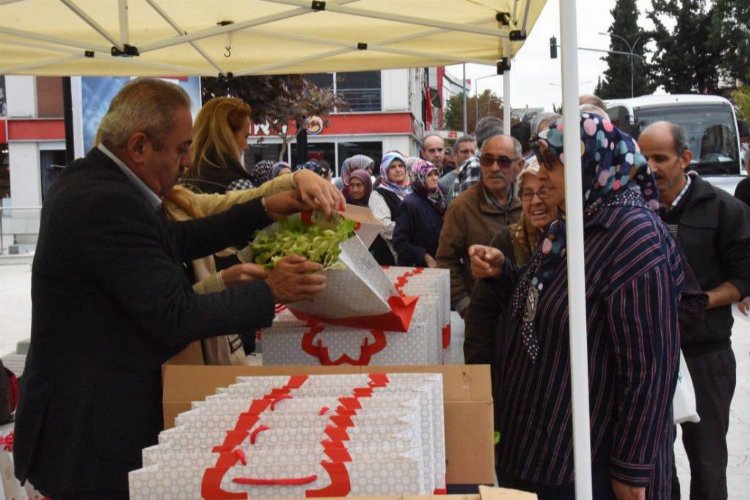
683, 403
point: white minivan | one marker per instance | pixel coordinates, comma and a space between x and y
709, 121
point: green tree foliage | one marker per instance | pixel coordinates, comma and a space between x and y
731, 36
685, 59
616, 80
486, 104
741, 97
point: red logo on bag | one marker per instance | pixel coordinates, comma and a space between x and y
367, 350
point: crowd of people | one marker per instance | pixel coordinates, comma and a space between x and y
135, 261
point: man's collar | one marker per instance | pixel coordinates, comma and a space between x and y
153, 198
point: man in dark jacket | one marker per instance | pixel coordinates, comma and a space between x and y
111, 302
713, 229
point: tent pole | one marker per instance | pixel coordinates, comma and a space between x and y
576, 276
122, 8
506, 102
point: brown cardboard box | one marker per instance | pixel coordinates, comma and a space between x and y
466, 388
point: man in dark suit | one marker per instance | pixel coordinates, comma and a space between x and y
111, 302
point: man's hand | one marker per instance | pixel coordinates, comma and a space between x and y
318, 193
624, 491
486, 262
281, 205
744, 305
295, 278
242, 273
430, 260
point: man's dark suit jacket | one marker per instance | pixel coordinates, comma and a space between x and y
110, 304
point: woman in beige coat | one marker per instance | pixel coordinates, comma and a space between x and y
182, 204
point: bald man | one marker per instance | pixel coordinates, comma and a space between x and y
713, 229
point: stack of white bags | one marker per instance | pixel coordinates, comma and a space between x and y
314, 436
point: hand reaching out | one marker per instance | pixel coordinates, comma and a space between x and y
486, 262
318, 192
242, 273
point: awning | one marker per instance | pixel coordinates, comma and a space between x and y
246, 37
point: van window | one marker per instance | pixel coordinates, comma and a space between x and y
711, 131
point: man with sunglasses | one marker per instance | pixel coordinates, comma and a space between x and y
479, 213
713, 229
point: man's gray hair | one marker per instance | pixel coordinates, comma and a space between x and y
516, 143
431, 134
143, 105
462, 139
487, 127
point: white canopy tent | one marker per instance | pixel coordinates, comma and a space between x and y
248, 37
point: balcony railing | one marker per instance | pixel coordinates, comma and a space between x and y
19, 229
361, 99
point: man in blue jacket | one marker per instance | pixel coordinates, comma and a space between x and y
111, 302
713, 229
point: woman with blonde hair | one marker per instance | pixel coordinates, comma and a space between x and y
220, 137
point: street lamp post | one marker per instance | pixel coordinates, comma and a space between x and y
631, 51
476, 99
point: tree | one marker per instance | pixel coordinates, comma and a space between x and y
731, 36
685, 59
741, 96
487, 103
625, 35
278, 101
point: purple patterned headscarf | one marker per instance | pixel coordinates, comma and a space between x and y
420, 169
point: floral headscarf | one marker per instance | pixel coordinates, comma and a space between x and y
261, 172
613, 172
278, 167
356, 162
363, 176
385, 164
420, 169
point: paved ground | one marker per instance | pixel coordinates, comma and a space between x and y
15, 323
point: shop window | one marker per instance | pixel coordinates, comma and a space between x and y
258, 152
52, 163
318, 151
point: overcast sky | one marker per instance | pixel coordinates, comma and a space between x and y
535, 78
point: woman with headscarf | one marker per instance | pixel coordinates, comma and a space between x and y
634, 284
420, 218
358, 188
261, 172
356, 162
280, 168
386, 199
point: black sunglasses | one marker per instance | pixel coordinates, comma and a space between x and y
504, 162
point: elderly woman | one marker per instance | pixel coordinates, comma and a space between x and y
634, 281
280, 168
420, 218
358, 188
386, 199
519, 242
351, 164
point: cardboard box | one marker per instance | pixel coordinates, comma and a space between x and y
467, 396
